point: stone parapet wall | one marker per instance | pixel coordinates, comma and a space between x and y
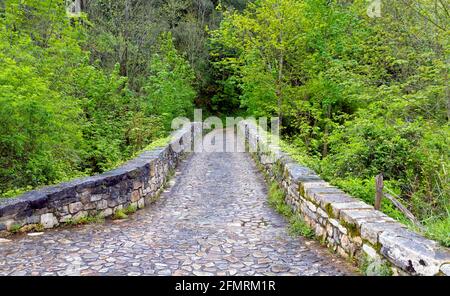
135, 183
347, 225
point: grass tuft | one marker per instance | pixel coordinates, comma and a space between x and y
439, 230
86, 220
131, 209
370, 267
120, 215
297, 226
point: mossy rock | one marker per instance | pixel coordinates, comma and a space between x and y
329, 211
352, 228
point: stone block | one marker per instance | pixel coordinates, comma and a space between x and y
337, 225
370, 252
112, 203
311, 206
106, 213
338, 207
305, 181
322, 221
65, 219
296, 171
361, 216
49, 220
341, 252
146, 191
317, 184
34, 219
331, 243
64, 210
337, 235
9, 224
307, 212
322, 213
118, 208
85, 196
346, 243
89, 206
324, 199
311, 193
123, 198
293, 192
102, 204
75, 207
141, 203
412, 252
329, 230
356, 240
137, 185
320, 231
152, 169
97, 197
370, 231
135, 196
445, 269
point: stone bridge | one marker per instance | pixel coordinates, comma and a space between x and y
202, 213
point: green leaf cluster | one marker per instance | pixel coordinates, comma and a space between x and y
63, 115
357, 96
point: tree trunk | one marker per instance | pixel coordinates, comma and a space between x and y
447, 94
279, 91
326, 133
83, 5
279, 88
124, 57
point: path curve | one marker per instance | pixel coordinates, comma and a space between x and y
214, 220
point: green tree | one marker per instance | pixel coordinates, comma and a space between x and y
61, 116
358, 95
39, 137
169, 84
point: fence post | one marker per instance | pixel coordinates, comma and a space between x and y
378, 191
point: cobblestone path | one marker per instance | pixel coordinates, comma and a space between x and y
213, 220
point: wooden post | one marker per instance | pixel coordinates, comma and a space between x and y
379, 188
378, 191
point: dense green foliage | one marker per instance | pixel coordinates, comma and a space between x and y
357, 96
297, 226
126, 32
64, 114
81, 93
39, 57
169, 85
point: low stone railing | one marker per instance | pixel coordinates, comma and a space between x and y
347, 225
136, 183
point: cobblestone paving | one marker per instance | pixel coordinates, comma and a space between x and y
213, 220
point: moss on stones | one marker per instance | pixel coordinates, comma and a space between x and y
352, 229
329, 211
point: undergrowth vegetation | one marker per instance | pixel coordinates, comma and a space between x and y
297, 226
356, 95
88, 219
123, 213
68, 109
